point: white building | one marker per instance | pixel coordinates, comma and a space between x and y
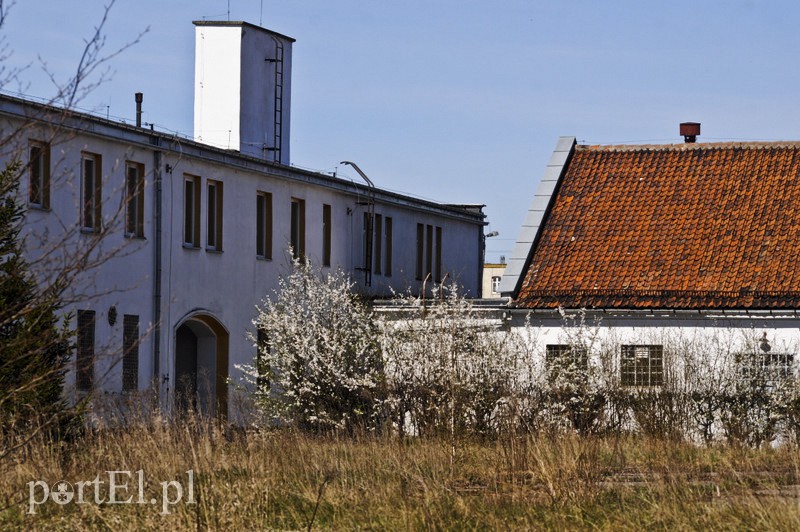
174, 242
658, 246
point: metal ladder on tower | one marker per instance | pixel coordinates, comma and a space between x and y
278, 118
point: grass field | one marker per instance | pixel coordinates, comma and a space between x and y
287, 480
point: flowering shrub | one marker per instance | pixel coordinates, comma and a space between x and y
319, 364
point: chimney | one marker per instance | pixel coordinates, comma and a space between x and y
139, 97
242, 89
690, 131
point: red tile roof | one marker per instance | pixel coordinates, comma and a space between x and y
692, 226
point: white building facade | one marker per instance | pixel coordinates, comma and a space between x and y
168, 244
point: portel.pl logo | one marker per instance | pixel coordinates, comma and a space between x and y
121, 487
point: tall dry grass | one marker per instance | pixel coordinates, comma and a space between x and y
289, 480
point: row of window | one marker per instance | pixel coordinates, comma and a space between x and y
643, 365
91, 189
378, 229
84, 359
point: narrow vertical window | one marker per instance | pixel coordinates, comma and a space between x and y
84, 359
39, 173
130, 352
298, 228
378, 245
134, 200
428, 250
264, 225
437, 275
367, 241
214, 216
420, 250
191, 211
91, 190
387, 271
326, 234
262, 362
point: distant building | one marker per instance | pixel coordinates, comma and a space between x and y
492, 274
189, 236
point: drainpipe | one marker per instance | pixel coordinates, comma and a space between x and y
156, 271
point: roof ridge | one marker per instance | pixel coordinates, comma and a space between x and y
683, 146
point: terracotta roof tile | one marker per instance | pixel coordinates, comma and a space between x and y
672, 226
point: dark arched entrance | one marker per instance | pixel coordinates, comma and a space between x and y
201, 366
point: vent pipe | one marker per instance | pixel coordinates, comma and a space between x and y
690, 131
139, 97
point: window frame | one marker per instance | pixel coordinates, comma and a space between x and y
130, 352
420, 251
91, 193
327, 233
297, 228
191, 212
577, 360
84, 350
387, 271
377, 245
634, 373
496, 283
264, 225
214, 215
39, 173
134, 200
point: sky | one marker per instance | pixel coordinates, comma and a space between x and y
458, 101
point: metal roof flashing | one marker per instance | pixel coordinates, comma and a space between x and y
537, 212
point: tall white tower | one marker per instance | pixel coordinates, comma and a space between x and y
242, 89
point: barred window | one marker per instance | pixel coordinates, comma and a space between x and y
84, 359
642, 365
565, 361
765, 368
130, 352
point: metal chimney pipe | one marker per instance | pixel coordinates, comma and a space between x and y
139, 97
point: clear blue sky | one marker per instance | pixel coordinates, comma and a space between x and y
459, 101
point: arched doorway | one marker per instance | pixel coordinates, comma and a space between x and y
201, 366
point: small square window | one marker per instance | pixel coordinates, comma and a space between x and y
642, 365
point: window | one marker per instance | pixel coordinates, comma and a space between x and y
387, 271
214, 218
191, 211
262, 363
428, 250
297, 238
420, 249
39, 173
264, 225
134, 200
367, 239
437, 274
84, 359
378, 243
642, 365
767, 369
566, 361
91, 190
326, 235
496, 284
130, 352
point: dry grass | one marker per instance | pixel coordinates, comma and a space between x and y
286, 480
